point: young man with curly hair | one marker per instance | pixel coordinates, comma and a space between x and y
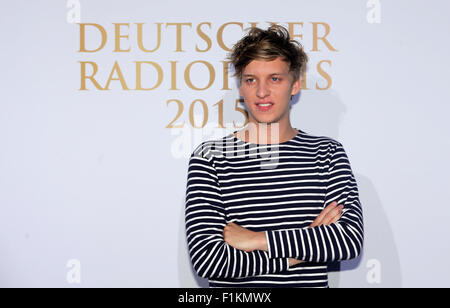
255, 221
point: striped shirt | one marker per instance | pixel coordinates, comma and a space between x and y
278, 189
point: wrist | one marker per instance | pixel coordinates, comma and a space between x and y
261, 241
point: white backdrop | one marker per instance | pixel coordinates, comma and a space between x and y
92, 182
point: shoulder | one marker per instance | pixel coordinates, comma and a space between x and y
320, 141
211, 148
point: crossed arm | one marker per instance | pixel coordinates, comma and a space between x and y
219, 249
243, 239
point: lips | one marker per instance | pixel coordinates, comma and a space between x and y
264, 106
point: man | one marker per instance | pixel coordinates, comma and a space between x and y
270, 220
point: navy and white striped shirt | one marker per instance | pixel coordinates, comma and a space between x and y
276, 188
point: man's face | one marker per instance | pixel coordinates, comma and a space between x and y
268, 82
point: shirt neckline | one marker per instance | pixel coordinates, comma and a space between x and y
258, 144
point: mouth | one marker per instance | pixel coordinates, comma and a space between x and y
264, 106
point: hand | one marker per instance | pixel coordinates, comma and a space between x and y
242, 238
293, 262
329, 215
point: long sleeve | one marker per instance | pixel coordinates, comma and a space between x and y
205, 219
342, 240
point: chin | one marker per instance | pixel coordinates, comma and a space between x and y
267, 120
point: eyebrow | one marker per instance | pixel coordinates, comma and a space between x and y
251, 75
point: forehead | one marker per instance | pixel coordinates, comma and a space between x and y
262, 67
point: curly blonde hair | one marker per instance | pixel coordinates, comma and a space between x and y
268, 45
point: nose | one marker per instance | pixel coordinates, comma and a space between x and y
262, 90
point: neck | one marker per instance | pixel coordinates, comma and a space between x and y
271, 133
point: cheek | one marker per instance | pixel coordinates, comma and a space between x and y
246, 89
248, 94
282, 93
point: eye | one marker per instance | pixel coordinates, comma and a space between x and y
275, 79
249, 80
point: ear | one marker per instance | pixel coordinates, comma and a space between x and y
296, 86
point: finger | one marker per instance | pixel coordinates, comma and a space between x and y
333, 215
319, 219
332, 203
335, 219
229, 225
325, 211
